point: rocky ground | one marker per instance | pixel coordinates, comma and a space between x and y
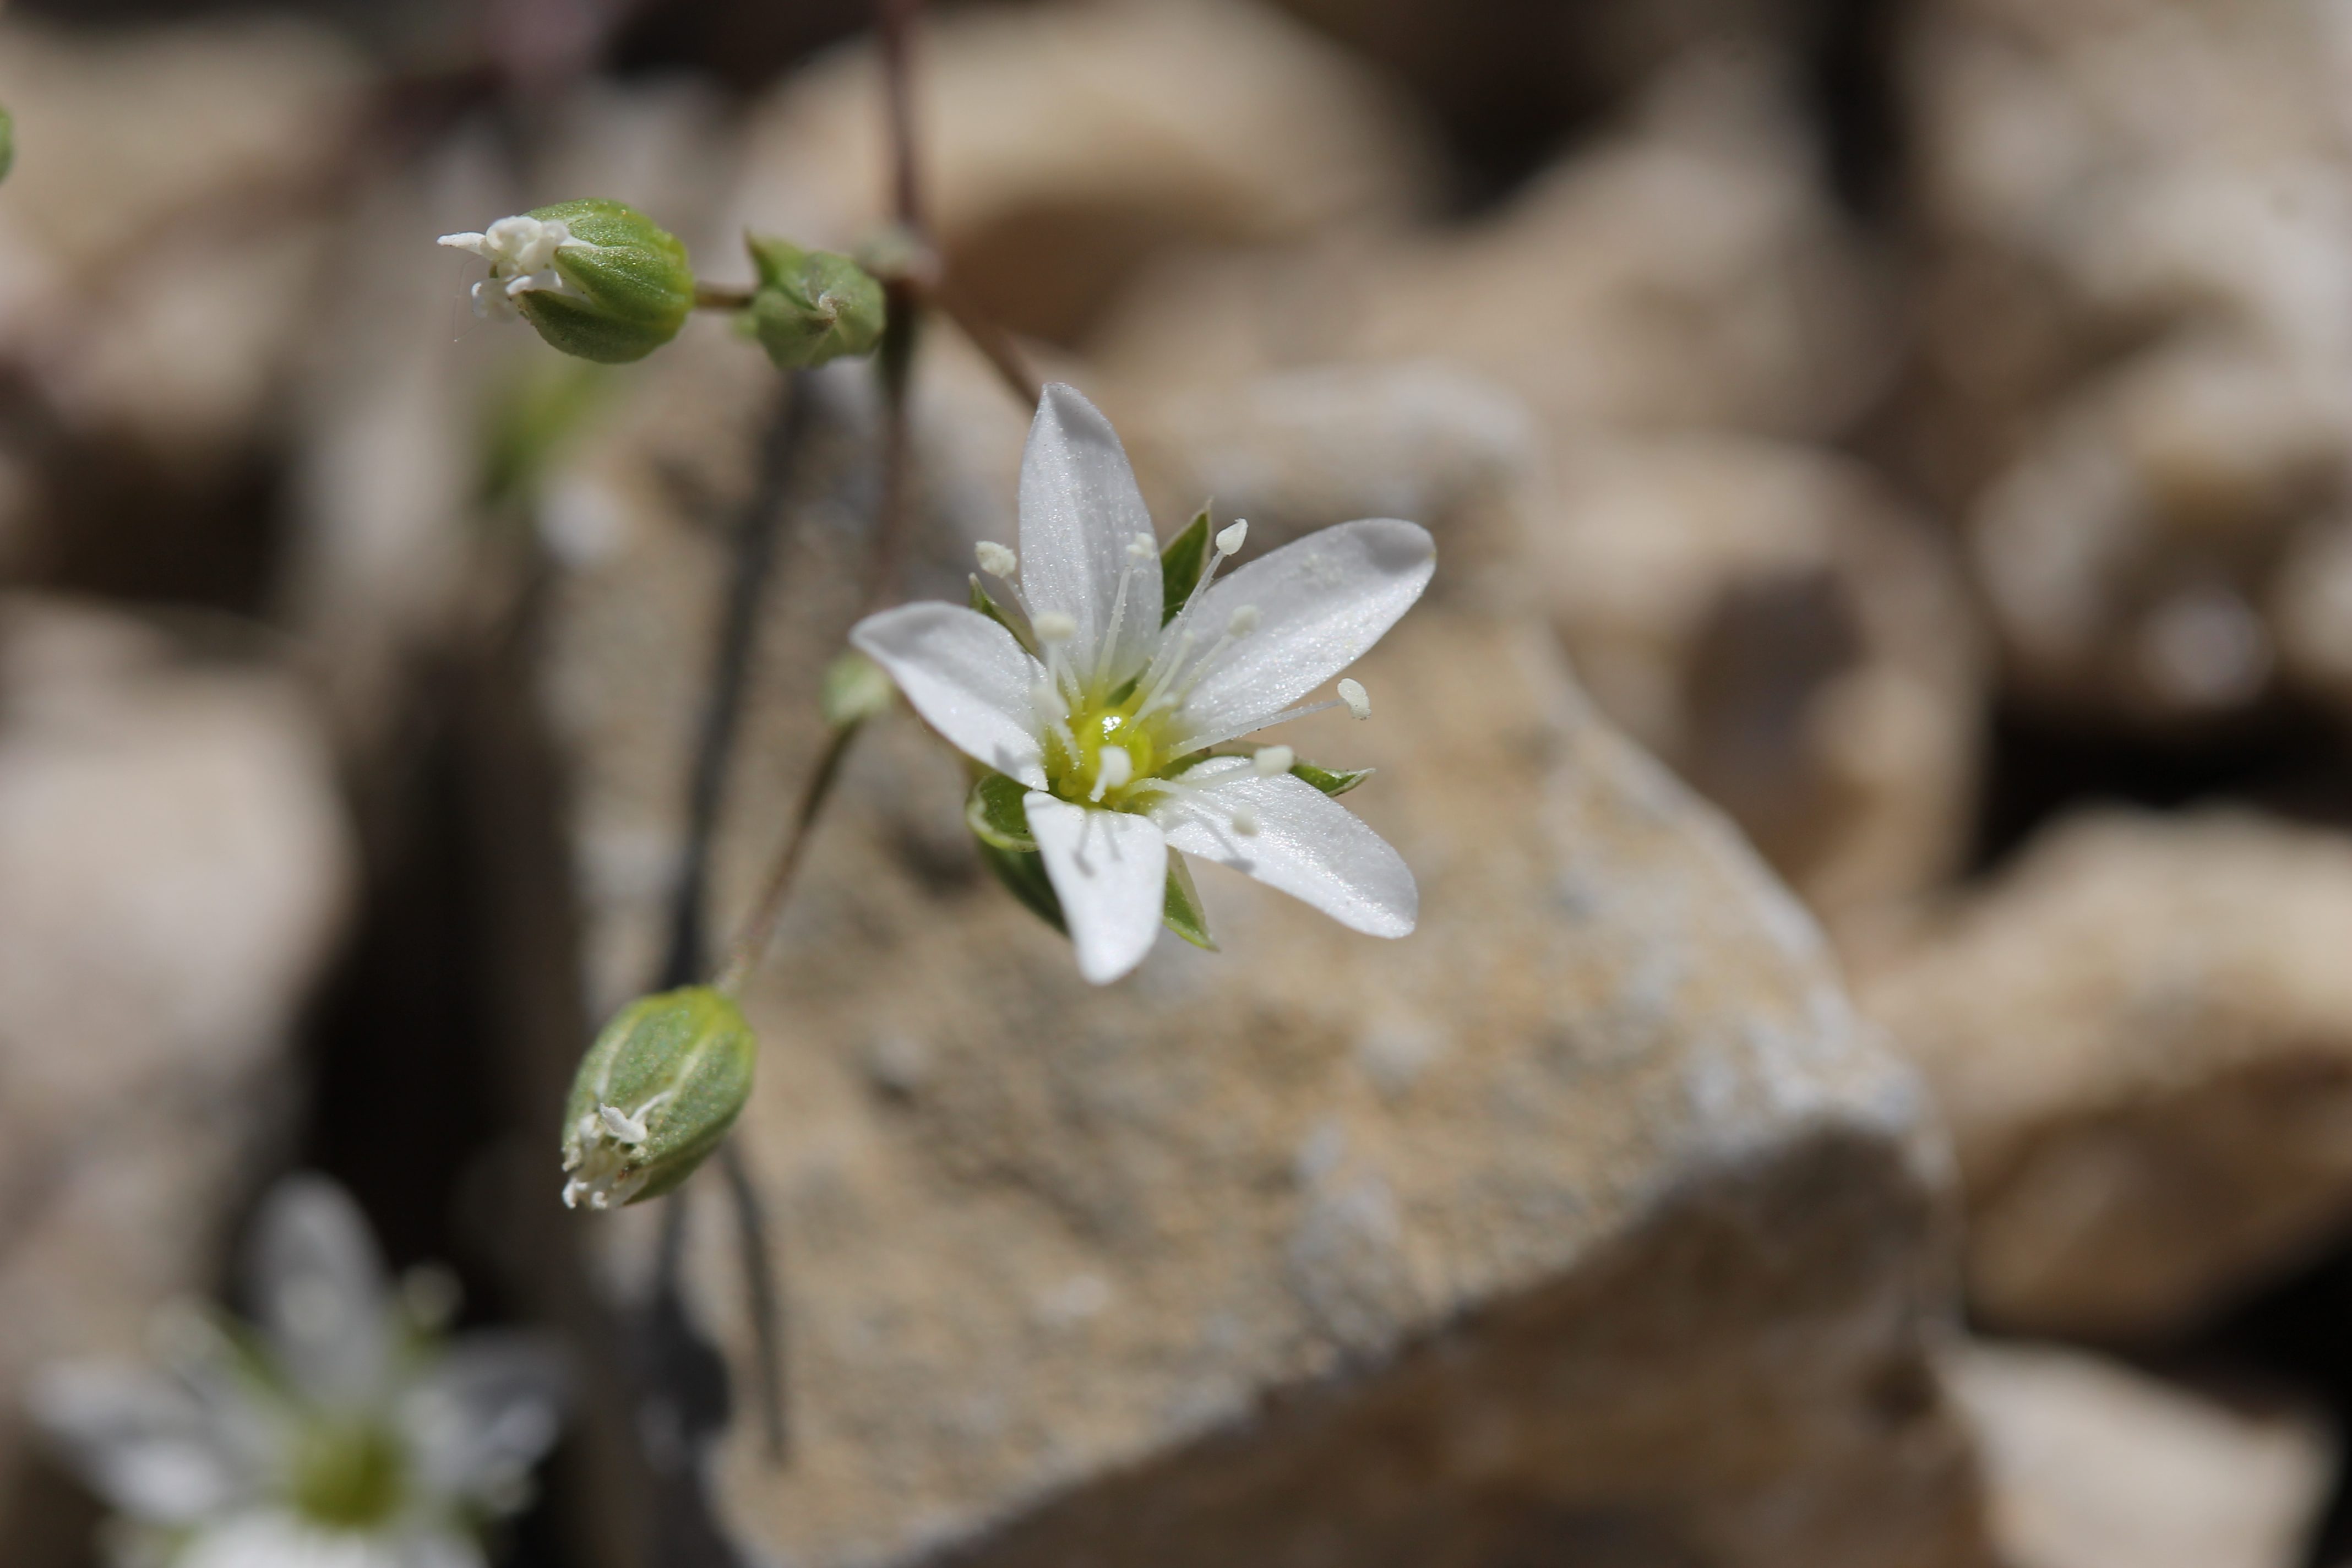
1874, 1082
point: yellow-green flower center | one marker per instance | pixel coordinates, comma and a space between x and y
348, 1474
1111, 755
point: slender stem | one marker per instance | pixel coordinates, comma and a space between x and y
1003, 353
895, 21
752, 942
719, 297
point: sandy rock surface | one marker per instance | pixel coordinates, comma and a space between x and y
173, 863
2089, 1464
2142, 1036
2139, 343
1319, 1250
1789, 638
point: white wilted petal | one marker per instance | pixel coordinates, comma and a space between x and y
1305, 844
1109, 868
1080, 509
1322, 602
967, 678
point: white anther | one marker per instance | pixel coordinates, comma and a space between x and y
995, 560
1053, 626
1273, 759
1246, 822
1243, 622
1229, 540
1112, 769
1359, 701
1142, 548
624, 1128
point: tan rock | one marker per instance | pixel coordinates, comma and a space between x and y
1064, 143
2136, 344
1686, 270
2089, 1464
172, 864
2142, 1035
159, 232
1788, 638
1321, 1250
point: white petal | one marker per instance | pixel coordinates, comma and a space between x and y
966, 676
1307, 844
143, 1442
1079, 512
484, 1415
1109, 868
1322, 601
319, 1284
479, 244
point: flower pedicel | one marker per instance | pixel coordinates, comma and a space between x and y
1096, 701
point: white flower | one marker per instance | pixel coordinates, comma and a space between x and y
343, 1435
1104, 714
521, 254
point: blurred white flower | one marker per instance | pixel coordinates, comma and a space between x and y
341, 1431
521, 254
1104, 713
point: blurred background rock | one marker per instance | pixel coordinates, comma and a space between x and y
1919, 424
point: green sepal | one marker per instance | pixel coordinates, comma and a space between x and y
1024, 876
854, 688
635, 289
1180, 910
998, 815
812, 306
979, 600
1182, 564
682, 1062
1328, 782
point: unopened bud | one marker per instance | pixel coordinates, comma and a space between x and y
854, 688
596, 279
811, 305
655, 1095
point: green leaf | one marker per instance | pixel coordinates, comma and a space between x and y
1024, 876
1180, 910
1180, 565
979, 600
1329, 782
996, 814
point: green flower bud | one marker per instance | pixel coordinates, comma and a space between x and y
854, 690
596, 279
655, 1095
811, 305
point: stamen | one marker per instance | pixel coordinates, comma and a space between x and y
1273, 759
1195, 742
1053, 626
1112, 769
1140, 552
627, 1129
996, 560
1359, 701
1243, 621
1229, 541
1244, 822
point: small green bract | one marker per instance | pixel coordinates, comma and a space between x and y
811, 306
